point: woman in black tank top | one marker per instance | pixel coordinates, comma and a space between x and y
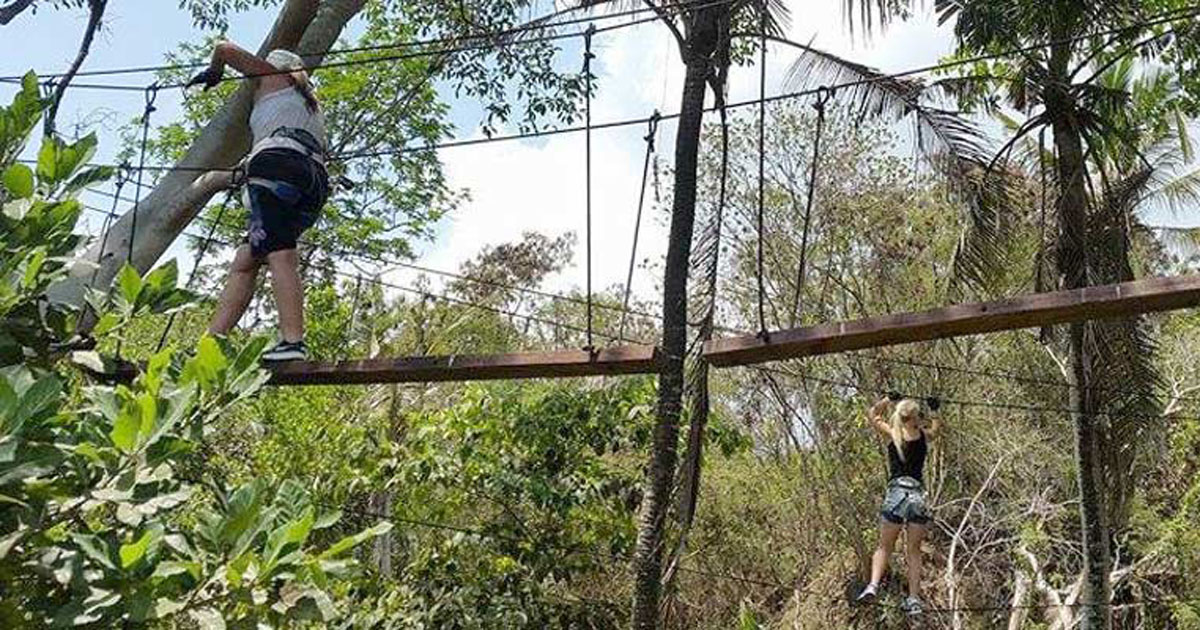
902, 424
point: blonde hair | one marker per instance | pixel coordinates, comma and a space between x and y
288, 60
904, 409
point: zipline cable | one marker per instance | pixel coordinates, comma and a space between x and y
1158, 20
539, 24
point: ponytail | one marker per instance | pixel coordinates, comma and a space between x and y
905, 408
299, 81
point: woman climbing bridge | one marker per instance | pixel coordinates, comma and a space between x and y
286, 186
902, 423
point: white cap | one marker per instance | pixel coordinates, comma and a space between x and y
285, 59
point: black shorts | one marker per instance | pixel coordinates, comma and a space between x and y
286, 199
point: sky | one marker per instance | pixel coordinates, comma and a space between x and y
531, 185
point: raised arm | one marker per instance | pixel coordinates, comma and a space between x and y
935, 416
877, 417
249, 64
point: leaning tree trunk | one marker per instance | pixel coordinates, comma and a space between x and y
1073, 267
647, 561
310, 26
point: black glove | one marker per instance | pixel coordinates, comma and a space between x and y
208, 77
894, 396
934, 403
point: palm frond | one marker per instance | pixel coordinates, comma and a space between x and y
957, 150
1178, 194
1183, 242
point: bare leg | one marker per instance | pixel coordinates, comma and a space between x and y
289, 296
239, 289
888, 533
916, 533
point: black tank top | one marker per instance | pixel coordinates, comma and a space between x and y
913, 463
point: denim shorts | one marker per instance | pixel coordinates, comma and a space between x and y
285, 193
904, 502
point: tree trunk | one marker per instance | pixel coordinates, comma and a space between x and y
647, 562
1072, 259
305, 25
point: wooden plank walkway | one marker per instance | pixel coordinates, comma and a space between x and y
630, 359
1098, 302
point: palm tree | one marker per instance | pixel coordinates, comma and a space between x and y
1059, 85
704, 32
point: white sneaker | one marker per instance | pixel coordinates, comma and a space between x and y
912, 605
868, 595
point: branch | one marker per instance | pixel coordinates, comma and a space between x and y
10, 11
95, 13
670, 22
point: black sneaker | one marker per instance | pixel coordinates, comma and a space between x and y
286, 351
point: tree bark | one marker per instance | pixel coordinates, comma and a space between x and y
307, 25
1072, 260
647, 561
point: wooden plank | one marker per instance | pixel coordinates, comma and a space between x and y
1041, 309
632, 359
561, 364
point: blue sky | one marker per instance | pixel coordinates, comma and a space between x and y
516, 186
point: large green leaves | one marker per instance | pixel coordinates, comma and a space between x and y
19, 119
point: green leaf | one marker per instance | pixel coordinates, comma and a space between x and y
132, 552
33, 268
108, 322
130, 284
159, 283
47, 161
11, 540
355, 540
124, 433
245, 507
94, 548
292, 533
18, 179
206, 366
89, 177
207, 618
89, 359
35, 400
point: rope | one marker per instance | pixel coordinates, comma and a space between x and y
587, 77
348, 329
822, 98
452, 300
762, 161
151, 93
108, 221
637, 222
204, 245
150, 96
1159, 19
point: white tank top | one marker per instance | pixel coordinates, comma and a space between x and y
284, 108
